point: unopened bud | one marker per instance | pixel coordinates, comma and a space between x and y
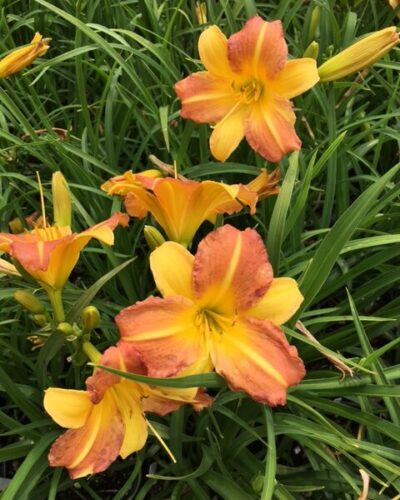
29, 301
65, 328
359, 55
90, 318
40, 319
314, 23
61, 200
200, 10
312, 50
153, 237
16, 226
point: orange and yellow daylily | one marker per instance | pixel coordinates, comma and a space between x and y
220, 308
246, 88
50, 253
180, 205
22, 57
108, 419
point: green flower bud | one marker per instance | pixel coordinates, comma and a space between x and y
153, 237
90, 318
29, 301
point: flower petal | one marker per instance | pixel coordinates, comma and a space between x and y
228, 133
131, 410
279, 303
269, 128
255, 357
126, 359
104, 231
296, 77
213, 50
205, 98
67, 407
258, 50
93, 447
231, 270
172, 266
164, 333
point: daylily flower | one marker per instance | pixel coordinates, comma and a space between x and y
221, 308
180, 206
22, 57
246, 88
108, 418
50, 252
358, 56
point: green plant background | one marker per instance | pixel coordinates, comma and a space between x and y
108, 81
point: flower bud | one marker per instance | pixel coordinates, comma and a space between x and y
29, 301
61, 200
359, 55
16, 226
314, 22
40, 319
65, 328
90, 318
8, 268
22, 57
200, 10
312, 50
153, 237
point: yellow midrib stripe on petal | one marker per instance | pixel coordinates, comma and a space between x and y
230, 272
207, 97
257, 51
157, 334
94, 421
258, 360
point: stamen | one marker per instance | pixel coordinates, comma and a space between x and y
41, 199
162, 442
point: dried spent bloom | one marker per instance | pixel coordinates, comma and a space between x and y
22, 57
221, 308
108, 419
180, 206
246, 88
359, 55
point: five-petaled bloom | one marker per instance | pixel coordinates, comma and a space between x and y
22, 57
222, 308
180, 206
246, 89
108, 418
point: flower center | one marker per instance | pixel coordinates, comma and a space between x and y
209, 322
250, 91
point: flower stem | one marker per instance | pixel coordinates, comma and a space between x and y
55, 297
91, 352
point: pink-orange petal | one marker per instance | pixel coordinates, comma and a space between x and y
93, 447
164, 333
259, 49
255, 357
205, 98
126, 359
269, 129
231, 271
